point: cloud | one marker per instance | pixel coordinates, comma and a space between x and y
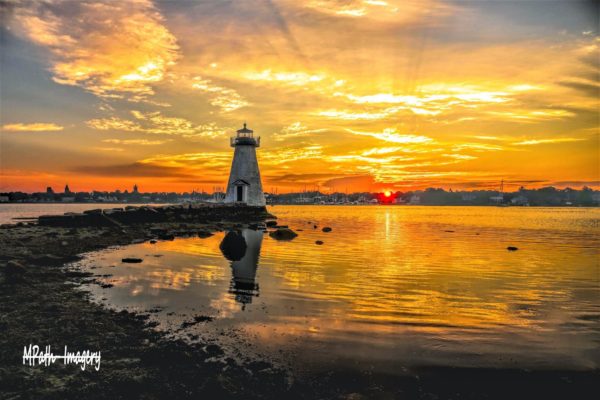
294, 130
393, 11
142, 142
137, 169
478, 147
288, 154
295, 78
546, 141
156, 123
224, 98
118, 149
115, 49
391, 135
353, 116
590, 89
35, 127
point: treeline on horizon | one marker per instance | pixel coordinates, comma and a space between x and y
546, 196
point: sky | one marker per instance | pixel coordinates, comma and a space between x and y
346, 95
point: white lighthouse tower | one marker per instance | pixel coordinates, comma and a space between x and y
244, 184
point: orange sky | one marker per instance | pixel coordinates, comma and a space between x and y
346, 95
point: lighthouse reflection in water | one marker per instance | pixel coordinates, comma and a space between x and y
242, 248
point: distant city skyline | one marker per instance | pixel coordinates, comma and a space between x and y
353, 95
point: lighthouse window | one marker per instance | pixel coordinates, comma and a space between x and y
240, 193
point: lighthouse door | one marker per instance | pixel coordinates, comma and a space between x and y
239, 193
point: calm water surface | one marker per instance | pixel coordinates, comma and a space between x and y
391, 287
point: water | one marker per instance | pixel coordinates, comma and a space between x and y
391, 288
11, 213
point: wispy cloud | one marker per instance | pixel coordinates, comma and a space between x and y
295, 130
142, 142
546, 141
157, 123
293, 78
35, 127
391, 135
225, 98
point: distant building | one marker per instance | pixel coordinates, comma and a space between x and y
49, 190
4, 199
67, 190
68, 199
135, 189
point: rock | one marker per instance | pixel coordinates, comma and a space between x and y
281, 226
315, 227
204, 234
166, 236
48, 259
512, 248
158, 231
64, 243
153, 241
271, 224
131, 260
94, 211
327, 229
319, 242
283, 234
137, 241
14, 271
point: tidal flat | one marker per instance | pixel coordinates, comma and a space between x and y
42, 302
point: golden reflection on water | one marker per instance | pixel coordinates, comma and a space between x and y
418, 284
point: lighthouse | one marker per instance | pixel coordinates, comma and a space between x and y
244, 186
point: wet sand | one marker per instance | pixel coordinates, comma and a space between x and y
41, 304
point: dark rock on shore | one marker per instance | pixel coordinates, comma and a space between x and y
326, 229
132, 260
319, 242
283, 234
512, 248
271, 224
204, 234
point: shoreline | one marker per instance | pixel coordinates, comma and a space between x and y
41, 304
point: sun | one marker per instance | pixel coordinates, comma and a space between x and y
387, 193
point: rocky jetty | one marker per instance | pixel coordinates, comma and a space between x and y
130, 215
